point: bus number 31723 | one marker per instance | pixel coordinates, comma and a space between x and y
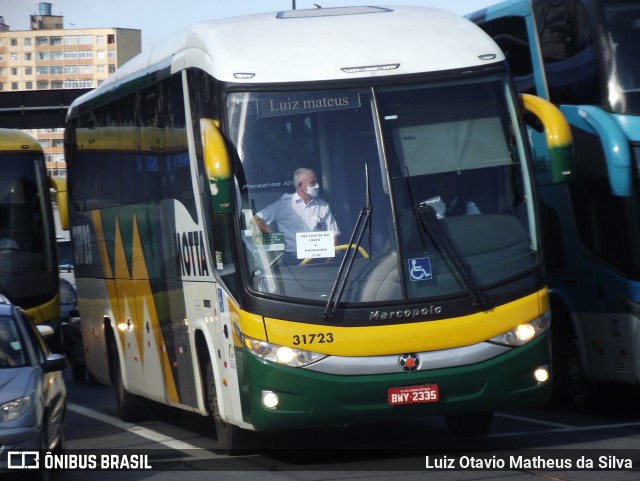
320, 338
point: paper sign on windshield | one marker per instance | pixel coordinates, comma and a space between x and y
315, 244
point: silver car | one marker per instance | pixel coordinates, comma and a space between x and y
33, 395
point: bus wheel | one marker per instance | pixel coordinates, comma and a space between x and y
580, 390
231, 438
570, 386
470, 424
129, 405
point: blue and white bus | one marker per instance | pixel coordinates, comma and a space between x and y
582, 55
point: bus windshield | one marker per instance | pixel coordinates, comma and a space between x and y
24, 245
622, 24
452, 150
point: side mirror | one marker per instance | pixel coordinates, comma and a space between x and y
559, 141
54, 362
60, 185
217, 166
45, 330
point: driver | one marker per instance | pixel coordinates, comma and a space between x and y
302, 211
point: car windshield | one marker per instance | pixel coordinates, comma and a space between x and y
379, 167
11, 349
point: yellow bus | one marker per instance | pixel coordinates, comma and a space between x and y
379, 307
28, 259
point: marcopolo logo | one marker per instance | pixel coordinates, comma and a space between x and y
23, 460
406, 313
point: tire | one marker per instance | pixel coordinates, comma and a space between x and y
78, 370
580, 391
129, 405
232, 439
570, 385
470, 424
56, 342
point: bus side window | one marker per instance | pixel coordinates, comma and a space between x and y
510, 33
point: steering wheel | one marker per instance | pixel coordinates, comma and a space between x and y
341, 247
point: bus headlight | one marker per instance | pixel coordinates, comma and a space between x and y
524, 333
287, 356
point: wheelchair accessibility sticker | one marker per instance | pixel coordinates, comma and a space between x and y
420, 269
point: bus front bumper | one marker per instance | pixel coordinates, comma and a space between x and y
308, 399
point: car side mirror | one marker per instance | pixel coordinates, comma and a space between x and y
54, 362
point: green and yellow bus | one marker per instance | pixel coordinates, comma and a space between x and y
28, 259
397, 313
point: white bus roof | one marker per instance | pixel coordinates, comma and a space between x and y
320, 44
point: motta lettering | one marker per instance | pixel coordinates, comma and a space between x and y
190, 254
405, 313
309, 104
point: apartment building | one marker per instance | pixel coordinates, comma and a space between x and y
49, 56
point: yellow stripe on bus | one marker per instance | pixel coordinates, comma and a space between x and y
404, 337
144, 297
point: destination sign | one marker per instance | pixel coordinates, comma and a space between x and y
277, 104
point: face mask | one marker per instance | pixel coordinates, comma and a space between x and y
313, 191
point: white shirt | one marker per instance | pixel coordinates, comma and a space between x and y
292, 215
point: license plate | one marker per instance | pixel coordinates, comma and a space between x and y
413, 394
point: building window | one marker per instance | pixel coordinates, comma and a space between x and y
57, 84
27, 42
42, 84
28, 85
42, 70
111, 38
99, 39
13, 42
78, 69
14, 56
28, 70
28, 55
112, 68
41, 41
78, 84
55, 40
14, 85
14, 71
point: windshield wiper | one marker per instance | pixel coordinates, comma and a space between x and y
427, 218
445, 245
363, 222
